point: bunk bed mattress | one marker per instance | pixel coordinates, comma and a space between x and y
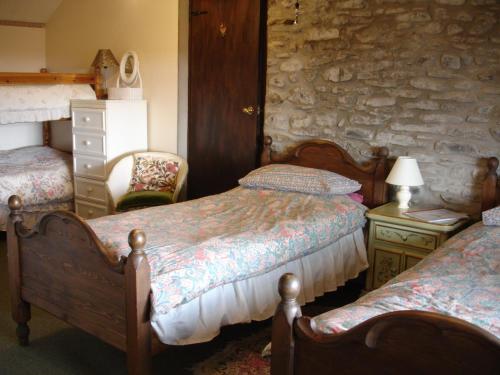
216, 244
36, 103
40, 175
460, 279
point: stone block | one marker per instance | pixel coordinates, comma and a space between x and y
292, 65
381, 101
457, 96
426, 105
414, 16
442, 118
326, 119
450, 2
432, 28
429, 84
451, 61
315, 34
454, 29
405, 93
337, 74
359, 133
302, 96
446, 147
351, 4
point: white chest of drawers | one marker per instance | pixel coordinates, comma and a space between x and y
103, 132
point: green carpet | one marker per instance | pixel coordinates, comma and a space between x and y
58, 349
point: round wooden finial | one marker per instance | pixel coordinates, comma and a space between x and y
268, 141
493, 164
15, 203
137, 239
383, 151
289, 286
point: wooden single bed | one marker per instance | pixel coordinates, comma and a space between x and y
397, 342
62, 266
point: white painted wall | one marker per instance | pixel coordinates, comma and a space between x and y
78, 29
22, 49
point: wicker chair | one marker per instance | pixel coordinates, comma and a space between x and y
118, 182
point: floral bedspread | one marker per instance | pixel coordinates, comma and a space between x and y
201, 244
460, 279
37, 174
34, 103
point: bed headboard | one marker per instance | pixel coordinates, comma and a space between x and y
490, 193
328, 155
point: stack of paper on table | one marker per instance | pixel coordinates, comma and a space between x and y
437, 216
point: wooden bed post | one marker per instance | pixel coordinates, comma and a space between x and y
490, 185
265, 156
138, 287
380, 188
282, 334
21, 311
46, 133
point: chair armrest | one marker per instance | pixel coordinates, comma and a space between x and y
119, 179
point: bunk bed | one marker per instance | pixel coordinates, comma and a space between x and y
42, 175
227, 250
441, 316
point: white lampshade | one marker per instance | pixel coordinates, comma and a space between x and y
405, 173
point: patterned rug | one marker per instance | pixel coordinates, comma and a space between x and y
239, 357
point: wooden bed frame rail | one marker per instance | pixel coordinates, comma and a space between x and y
62, 267
44, 78
403, 342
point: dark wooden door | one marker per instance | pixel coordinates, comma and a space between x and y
226, 60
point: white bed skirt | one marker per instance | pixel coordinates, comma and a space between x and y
256, 298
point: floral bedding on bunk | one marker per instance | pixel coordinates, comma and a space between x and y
39, 175
460, 279
201, 244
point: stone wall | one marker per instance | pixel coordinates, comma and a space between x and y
421, 77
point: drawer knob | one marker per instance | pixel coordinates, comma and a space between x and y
87, 143
88, 166
86, 119
91, 212
90, 190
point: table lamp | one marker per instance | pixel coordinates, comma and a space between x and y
405, 173
104, 61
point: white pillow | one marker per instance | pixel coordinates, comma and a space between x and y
287, 177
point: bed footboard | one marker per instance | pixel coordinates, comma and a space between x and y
392, 343
62, 267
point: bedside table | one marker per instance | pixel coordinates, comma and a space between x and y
397, 242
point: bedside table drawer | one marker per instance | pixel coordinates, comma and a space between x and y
405, 237
386, 265
89, 119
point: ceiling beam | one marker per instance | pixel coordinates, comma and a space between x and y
38, 25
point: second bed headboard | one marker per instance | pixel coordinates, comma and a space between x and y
328, 155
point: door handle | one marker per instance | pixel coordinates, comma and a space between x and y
248, 110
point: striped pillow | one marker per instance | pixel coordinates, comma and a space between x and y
286, 177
